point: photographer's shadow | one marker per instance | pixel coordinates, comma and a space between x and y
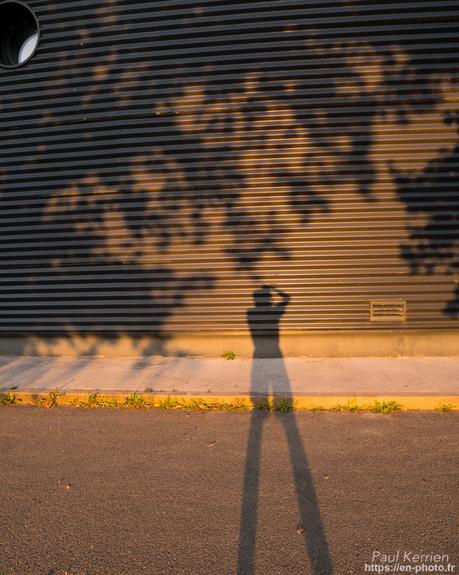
269, 381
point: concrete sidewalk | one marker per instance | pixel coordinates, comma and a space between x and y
407, 376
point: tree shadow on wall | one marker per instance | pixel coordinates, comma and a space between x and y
141, 159
434, 194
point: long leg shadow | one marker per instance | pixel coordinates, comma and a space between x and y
267, 312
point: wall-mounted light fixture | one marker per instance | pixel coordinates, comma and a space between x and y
19, 34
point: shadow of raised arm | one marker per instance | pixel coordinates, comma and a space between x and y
285, 298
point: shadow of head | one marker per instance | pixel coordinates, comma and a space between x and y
267, 296
263, 297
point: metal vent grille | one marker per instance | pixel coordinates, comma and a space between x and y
388, 310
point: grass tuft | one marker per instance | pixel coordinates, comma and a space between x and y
446, 407
94, 401
51, 400
283, 405
169, 403
385, 407
350, 407
9, 398
137, 401
263, 404
229, 355
202, 405
237, 405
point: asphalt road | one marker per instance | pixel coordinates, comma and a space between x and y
130, 492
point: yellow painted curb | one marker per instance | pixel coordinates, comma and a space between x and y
408, 402
304, 402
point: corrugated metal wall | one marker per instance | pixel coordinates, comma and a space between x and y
161, 160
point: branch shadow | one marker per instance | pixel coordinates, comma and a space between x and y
434, 244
